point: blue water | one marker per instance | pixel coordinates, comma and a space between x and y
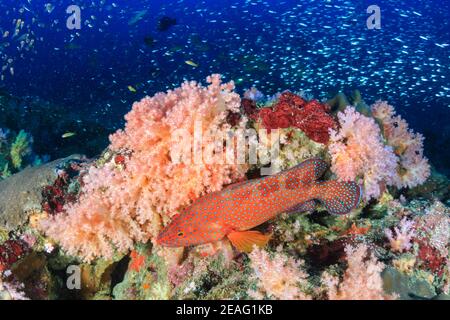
321, 47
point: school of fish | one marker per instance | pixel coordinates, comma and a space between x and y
128, 49
316, 46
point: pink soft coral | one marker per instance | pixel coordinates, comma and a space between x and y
362, 279
357, 151
278, 277
126, 203
12, 290
413, 167
401, 239
434, 228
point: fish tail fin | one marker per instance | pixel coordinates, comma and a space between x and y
338, 197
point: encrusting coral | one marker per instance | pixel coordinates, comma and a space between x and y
108, 212
11, 251
294, 148
128, 199
301, 128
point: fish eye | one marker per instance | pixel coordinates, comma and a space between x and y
180, 233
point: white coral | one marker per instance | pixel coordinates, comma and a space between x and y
404, 233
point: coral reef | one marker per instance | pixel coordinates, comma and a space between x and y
437, 186
127, 202
64, 190
102, 216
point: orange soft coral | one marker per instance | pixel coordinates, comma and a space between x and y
123, 204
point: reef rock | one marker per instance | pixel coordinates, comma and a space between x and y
21, 193
407, 287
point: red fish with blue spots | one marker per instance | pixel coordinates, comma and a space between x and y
240, 207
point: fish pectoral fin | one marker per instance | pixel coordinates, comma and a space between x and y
307, 206
245, 240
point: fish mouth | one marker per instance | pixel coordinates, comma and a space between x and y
161, 240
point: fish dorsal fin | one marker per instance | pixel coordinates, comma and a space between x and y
245, 240
237, 185
227, 189
307, 171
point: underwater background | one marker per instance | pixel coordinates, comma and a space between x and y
319, 47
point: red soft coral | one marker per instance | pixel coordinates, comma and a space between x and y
249, 108
314, 120
311, 117
430, 258
10, 252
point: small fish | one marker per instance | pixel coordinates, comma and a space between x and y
72, 46
132, 89
68, 135
191, 63
139, 15
240, 207
149, 41
165, 23
49, 7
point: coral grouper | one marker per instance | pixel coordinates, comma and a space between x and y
242, 206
